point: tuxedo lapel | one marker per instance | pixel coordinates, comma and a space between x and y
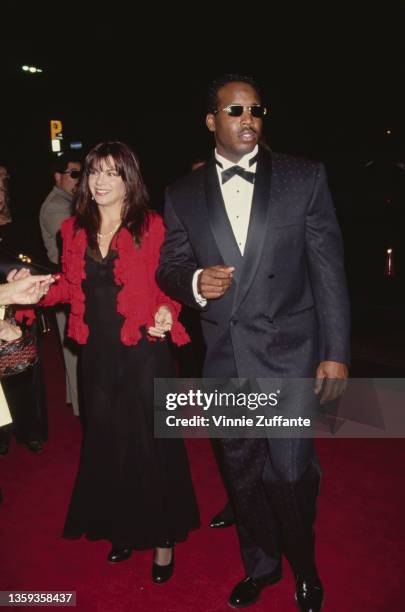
258, 226
219, 222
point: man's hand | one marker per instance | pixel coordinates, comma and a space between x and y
22, 288
336, 375
163, 322
213, 282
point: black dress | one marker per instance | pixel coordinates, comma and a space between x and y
131, 488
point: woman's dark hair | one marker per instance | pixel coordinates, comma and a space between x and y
134, 213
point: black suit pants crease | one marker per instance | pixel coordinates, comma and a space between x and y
273, 484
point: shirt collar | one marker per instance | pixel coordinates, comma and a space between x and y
243, 162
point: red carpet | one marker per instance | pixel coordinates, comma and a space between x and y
360, 529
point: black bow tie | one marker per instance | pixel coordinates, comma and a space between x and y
230, 172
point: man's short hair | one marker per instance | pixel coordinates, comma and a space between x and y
216, 84
60, 164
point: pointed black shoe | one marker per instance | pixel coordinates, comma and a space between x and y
248, 591
119, 554
309, 594
162, 573
223, 519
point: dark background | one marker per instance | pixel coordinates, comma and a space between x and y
332, 80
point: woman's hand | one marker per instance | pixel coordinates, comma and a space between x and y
18, 274
23, 288
163, 322
9, 332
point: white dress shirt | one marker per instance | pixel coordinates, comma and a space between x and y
237, 193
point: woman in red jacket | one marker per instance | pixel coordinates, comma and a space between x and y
131, 488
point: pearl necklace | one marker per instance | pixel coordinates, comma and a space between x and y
100, 235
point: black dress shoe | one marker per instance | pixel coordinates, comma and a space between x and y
309, 594
223, 519
119, 554
162, 573
248, 590
35, 446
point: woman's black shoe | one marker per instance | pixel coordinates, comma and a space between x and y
119, 554
162, 573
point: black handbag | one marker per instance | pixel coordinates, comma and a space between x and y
17, 355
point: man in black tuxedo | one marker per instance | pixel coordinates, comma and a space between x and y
253, 241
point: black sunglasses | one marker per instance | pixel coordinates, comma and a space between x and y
236, 110
74, 174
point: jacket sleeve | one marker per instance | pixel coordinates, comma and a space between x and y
177, 261
51, 217
155, 241
325, 258
58, 293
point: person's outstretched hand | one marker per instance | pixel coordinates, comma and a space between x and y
23, 288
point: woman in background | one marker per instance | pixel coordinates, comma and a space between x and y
25, 392
28, 290
131, 488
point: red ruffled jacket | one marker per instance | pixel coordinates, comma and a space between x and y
134, 271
